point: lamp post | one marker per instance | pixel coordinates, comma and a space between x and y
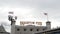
12, 19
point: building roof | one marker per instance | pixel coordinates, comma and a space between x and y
2, 29
51, 30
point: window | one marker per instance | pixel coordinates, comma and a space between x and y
31, 29
43, 29
18, 29
24, 29
37, 30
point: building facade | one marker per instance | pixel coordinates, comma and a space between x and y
29, 29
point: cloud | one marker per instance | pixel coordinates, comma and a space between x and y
34, 8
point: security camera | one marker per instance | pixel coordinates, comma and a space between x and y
15, 17
10, 17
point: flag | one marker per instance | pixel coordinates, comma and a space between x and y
45, 14
10, 12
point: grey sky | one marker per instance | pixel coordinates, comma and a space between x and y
36, 9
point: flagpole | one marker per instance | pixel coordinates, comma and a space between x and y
46, 16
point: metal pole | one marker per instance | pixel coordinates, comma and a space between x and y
47, 17
10, 18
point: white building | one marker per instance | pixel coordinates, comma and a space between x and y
28, 29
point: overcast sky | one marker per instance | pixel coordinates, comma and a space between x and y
31, 10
